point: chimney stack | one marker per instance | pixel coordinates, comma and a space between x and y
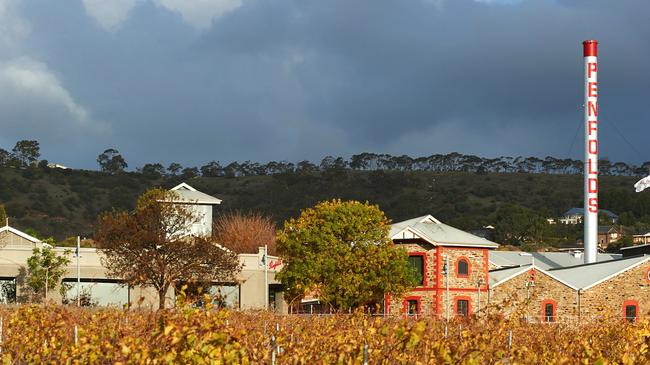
590, 54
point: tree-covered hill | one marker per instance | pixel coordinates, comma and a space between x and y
63, 203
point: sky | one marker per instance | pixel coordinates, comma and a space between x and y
192, 81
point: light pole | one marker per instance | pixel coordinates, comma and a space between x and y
266, 277
529, 284
479, 282
445, 271
78, 272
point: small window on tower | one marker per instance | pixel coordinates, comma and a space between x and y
462, 268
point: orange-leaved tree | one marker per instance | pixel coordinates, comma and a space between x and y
152, 246
245, 233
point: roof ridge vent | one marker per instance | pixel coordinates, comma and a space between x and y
183, 186
429, 219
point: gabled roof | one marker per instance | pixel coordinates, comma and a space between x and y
496, 277
606, 229
581, 212
543, 260
189, 195
437, 233
20, 234
588, 275
578, 277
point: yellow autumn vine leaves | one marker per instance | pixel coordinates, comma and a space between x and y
36, 334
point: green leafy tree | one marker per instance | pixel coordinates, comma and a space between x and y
27, 152
174, 168
111, 161
515, 224
45, 269
154, 170
340, 250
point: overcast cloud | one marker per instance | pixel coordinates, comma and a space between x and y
194, 81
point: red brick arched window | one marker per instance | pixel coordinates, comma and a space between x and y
549, 310
463, 267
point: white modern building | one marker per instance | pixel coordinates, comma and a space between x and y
246, 292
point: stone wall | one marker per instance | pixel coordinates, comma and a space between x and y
478, 260
432, 295
607, 298
514, 298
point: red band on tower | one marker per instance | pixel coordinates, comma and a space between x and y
590, 48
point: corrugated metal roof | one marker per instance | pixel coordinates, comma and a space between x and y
20, 234
635, 246
188, 194
543, 260
587, 275
435, 232
581, 212
581, 276
495, 277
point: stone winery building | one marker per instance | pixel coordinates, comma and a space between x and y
246, 292
460, 275
452, 266
465, 275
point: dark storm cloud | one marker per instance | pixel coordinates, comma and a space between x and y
303, 79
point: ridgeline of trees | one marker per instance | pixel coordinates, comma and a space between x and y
27, 152
515, 195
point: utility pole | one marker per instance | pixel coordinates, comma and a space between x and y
445, 270
47, 281
266, 277
78, 272
479, 282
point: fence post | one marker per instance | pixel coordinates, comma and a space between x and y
509, 340
272, 350
75, 334
365, 354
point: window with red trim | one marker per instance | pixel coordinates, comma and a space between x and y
463, 306
462, 267
417, 262
631, 310
549, 308
411, 306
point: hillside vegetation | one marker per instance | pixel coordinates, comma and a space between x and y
63, 203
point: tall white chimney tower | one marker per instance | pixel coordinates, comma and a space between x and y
590, 53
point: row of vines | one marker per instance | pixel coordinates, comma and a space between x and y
58, 335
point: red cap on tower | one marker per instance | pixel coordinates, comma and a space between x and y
590, 48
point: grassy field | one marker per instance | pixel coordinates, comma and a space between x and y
36, 334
